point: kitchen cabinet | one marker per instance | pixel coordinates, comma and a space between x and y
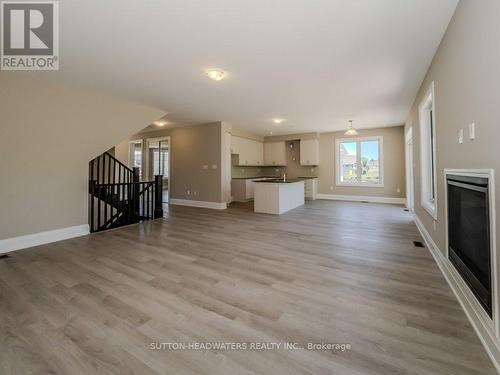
251, 152
236, 144
311, 189
275, 153
309, 152
242, 189
259, 152
278, 197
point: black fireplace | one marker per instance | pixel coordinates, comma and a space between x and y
469, 233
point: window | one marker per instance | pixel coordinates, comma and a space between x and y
359, 162
160, 166
135, 156
428, 151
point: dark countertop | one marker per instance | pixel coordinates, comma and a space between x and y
281, 181
306, 177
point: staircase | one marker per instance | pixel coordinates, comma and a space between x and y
118, 198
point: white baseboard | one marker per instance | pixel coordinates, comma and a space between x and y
361, 198
471, 307
202, 204
30, 240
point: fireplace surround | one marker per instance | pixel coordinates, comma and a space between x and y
470, 238
469, 234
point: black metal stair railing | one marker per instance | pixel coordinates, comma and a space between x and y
118, 198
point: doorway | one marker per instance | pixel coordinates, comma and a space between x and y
158, 163
226, 167
135, 155
409, 170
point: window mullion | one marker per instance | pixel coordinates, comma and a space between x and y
358, 162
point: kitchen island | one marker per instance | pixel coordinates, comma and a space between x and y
277, 196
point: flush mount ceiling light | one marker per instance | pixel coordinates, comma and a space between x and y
351, 130
278, 121
160, 123
215, 74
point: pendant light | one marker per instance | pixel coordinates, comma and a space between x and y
351, 130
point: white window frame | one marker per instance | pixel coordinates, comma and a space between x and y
131, 158
428, 169
358, 141
131, 146
148, 162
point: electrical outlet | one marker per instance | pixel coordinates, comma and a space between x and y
195, 193
205, 166
312, 169
398, 190
214, 166
331, 187
188, 192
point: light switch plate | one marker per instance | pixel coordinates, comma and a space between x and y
461, 136
472, 131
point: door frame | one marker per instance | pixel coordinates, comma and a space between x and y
226, 193
410, 181
147, 162
130, 160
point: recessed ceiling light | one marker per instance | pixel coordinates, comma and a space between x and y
271, 133
160, 123
278, 120
215, 74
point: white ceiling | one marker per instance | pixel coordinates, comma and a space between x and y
316, 63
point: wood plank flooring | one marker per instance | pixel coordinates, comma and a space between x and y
326, 272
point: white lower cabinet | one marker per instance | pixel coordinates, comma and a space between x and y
311, 188
242, 189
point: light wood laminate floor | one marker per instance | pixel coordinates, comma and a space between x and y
333, 272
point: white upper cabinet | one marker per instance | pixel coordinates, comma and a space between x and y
260, 153
235, 144
275, 153
309, 152
250, 152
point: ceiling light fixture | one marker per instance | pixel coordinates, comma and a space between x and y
278, 120
160, 123
351, 130
215, 74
